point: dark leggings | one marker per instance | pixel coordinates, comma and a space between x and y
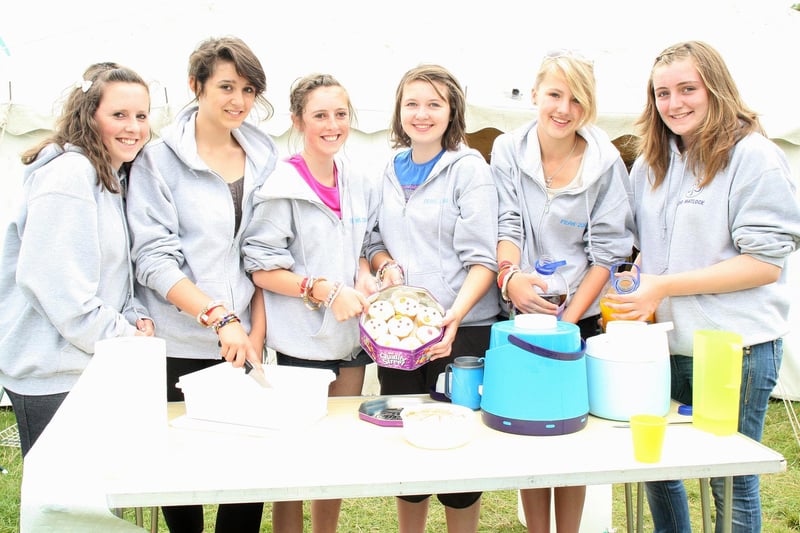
470, 340
231, 517
33, 413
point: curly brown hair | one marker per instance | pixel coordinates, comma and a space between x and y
77, 125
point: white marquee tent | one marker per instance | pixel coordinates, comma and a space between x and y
492, 47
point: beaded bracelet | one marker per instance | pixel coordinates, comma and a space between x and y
386, 266
334, 292
204, 315
224, 321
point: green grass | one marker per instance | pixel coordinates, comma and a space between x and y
780, 495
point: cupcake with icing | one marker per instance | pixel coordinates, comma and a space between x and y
381, 309
427, 333
400, 326
429, 316
375, 327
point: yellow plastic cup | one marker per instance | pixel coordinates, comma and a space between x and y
648, 437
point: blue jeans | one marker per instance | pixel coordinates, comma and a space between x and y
667, 499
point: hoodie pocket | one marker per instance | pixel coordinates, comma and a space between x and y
435, 283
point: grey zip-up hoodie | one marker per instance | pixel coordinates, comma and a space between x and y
448, 224
292, 229
66, 279
182, 222
585, 226
748, 208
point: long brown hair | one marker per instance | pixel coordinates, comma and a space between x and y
455, 134
76, 125
728, 119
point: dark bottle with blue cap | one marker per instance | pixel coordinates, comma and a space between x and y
557, 286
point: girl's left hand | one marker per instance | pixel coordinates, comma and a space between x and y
367, 284
640, 304
444, 347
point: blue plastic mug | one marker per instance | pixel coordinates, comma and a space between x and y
463, 381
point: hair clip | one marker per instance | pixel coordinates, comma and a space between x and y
83, 85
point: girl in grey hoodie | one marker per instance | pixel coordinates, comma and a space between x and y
717, 218
563, 190
305, 246
191, 196
438, 230
67, 280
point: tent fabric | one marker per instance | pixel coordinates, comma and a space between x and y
494, 53
25, 127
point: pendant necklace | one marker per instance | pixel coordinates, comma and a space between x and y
548, 180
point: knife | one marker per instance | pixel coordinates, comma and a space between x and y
256, 373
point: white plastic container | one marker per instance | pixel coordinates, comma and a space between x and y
627, 369
222, 393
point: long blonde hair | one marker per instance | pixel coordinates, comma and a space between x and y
728, 119
578, 72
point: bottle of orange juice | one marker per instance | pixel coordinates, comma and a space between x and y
623, 279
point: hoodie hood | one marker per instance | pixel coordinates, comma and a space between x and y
179, 136
597, 158
48, 153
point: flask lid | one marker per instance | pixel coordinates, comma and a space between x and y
535, 321
626, 282
547, 267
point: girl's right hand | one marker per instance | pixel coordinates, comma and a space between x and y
348, 304
521, 292
235, 345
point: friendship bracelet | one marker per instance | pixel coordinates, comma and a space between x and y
334, 292
224, 321
204, 315
389, 263
506, 279
505, 271
303, 285
310, 302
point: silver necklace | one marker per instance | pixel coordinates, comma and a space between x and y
548, 180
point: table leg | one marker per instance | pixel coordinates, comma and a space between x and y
639, 507
705, 504
139, 516
628, 508
727, 506
154, 520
